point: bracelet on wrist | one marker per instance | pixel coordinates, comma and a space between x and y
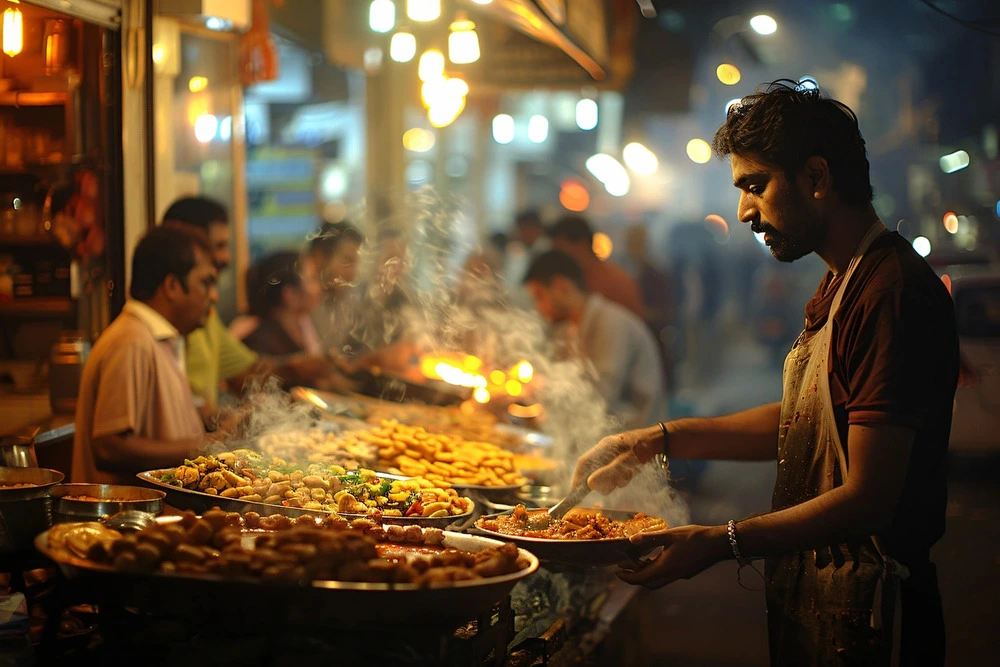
734, 543
661, 457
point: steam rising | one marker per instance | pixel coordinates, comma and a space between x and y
423, 277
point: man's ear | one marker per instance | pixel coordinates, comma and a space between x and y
817, 177
172, 287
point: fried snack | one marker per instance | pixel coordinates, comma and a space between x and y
443, 459
477, 426
81, 539
249, 476
578, 524
302, 550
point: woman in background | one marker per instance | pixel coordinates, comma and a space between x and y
283, 290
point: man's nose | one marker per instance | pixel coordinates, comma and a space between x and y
213, 294
746, 211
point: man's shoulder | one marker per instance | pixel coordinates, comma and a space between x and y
894, 267
127, 335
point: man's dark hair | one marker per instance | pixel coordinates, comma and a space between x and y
165, 250
554, 263
498, 240
330, 235
573, 228
266, 278
197, 211
529, 218
787, 124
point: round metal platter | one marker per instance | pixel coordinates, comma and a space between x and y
572, 552
198, 502
317, 603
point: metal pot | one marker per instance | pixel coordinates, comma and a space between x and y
18, 451
108, 499
69, 355
25, 512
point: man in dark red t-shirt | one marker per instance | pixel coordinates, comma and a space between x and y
861, 433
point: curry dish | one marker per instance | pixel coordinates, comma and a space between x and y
578, 524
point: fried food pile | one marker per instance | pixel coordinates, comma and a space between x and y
441, 458
297, 550
477, 426
251, 477
578, 524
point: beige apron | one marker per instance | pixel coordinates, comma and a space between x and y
830, 606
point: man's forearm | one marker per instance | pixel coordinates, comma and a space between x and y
128, 453
838, 516
751, 435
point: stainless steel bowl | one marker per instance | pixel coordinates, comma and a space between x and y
25, 511
18, 451
108, 499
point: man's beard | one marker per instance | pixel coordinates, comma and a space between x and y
785, 247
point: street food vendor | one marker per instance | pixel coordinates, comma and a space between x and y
135, 409
861, 434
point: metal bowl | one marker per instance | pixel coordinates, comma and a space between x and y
25, 511
108, 499
18, 451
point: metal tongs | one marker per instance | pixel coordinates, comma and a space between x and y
559, 510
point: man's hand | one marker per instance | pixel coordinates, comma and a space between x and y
616, 459
687, 551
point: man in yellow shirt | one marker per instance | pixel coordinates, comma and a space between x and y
213, 355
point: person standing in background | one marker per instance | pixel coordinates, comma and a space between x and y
336, 250
657, 290
527, 241
573, 235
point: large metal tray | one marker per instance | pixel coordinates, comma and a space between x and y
583, 553
198, 502
320, 603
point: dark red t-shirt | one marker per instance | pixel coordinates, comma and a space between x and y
895, 361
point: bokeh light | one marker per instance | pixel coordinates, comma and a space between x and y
573, 195
602, 246
728, 74
950, 222
699, 151
922, 245
762, 24
418, 140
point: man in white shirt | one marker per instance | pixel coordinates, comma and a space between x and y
616, 342
135, 409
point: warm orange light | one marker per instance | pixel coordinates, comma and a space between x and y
728, 74
197, 84
946, 279
573, 196
951, 222
498, 377
602, 246
717, 225
513, 387
13, 31
524, 371
481, 395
